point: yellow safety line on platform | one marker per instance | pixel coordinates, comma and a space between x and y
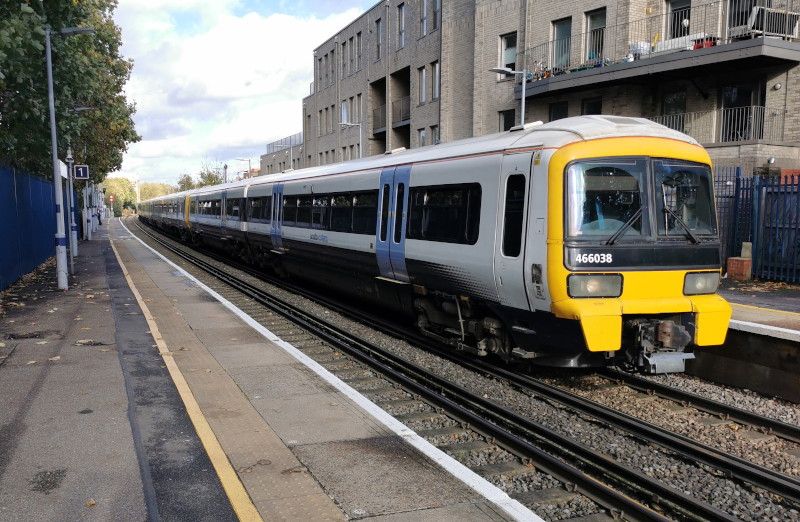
764, 309
240, 500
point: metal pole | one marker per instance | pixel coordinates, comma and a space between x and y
73, 226
87, 232
524, 84
60, 238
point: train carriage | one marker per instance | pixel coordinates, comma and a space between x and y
582, 242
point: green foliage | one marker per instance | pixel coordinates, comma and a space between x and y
124, 195
185, 182
210, 175
88, 71
150, 190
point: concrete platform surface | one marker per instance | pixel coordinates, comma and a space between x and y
137, 395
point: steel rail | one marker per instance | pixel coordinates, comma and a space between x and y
506, 426
781, 429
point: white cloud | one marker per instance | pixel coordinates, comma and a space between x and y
213, 81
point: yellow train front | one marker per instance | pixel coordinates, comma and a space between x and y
633, 251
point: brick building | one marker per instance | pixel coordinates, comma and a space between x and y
409, 73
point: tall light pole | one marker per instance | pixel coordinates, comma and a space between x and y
524, 73
61, 241
249, 166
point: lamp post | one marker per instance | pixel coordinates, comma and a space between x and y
524, 73
61, 242
249, 166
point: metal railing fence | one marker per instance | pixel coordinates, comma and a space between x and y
715, 23
729, 125
764, 211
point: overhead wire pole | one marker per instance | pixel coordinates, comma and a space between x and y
60, 238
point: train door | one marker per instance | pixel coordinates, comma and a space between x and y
511, 225
390, 233
223, 214
276, 227
536, 242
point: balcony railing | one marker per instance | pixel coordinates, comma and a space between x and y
401, 109
705, 25
729, 125
379, 118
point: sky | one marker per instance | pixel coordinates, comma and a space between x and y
214, 81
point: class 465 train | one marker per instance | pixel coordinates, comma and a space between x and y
587, 241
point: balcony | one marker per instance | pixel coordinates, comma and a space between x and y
707, 37
739, 124
379, 119
401, 111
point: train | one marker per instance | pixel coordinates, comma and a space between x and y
588, 241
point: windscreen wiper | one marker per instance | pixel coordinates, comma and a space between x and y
689, 232
613, 239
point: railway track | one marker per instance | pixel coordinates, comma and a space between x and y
536, 446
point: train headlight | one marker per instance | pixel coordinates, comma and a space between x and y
697, 283
594, 285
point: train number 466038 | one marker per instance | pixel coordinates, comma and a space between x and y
593, 258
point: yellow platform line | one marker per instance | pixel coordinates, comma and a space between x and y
237, 494
764, 309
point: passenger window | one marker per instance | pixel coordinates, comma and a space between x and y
365, 212
289, 210
514, 215
445, 213
304, 211
319, 212
341, 212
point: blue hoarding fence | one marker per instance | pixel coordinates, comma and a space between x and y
27, 223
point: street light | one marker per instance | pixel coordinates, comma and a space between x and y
249, 167
61, 241
524, 73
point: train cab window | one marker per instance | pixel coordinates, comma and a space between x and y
341, 212
445, 213
513, 218
319, 212
604, 199
289, 210
232, 208
304, 204
365, 212
684, 198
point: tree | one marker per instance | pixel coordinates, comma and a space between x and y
210, 175
150, 190
124, 195
185, 182
88, 72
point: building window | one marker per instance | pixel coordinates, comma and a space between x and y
421, 134
562, 43
423, 18
673, 104
680, 14
592, 106
508, 50
437, 14
345, 114
401, 26
596, 23
435, 134
507, 119
422, 81
436, 80
345, 68
378, 39
358, 51
558, 110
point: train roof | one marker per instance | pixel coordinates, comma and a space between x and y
555, 134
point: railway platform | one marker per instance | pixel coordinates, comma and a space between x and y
137, 395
